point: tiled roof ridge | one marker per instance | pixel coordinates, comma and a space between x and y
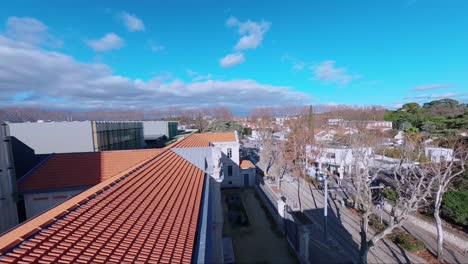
186, 139
18, 234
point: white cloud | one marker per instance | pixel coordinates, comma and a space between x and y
327, 72
30, 30
131, 22
191, 73
437, 96
297, 64
231, 60
156, 47
251, 32
109, 42
199, 78
55, 80
431, 87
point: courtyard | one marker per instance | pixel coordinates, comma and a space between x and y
255, 236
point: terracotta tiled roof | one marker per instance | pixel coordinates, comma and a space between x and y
82, 169
219, 137
204, 140
147, 214
246, 164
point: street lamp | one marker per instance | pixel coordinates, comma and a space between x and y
325, 204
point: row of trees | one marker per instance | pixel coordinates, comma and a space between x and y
196, 117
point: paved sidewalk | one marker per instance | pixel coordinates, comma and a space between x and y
343, 226
452, 253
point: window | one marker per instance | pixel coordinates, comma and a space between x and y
229, 152
229, 170
230, 182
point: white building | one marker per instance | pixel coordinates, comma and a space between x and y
338, 160
330, 134
436, 154
367, 124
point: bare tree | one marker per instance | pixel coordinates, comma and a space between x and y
268, 151
282, 165
412, 184
445, 168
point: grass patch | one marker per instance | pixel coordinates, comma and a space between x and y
406, 240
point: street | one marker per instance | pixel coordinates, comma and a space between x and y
343, 226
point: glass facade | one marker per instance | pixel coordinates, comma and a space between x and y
117, 135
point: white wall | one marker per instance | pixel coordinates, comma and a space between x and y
235, 180
54, 137
439, 154
37, 203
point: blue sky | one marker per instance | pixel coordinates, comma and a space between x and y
240, 54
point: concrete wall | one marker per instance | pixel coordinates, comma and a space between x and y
36, 203
167, 128
9, 215
54, 137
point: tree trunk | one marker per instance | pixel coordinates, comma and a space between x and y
440, 231
363, 252
440, 235
365, 246
299, 193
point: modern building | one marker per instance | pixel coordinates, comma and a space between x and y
157, 128
83, 136
156, 133
164, 209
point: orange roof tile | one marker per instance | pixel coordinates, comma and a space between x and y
219, 136
82, 169
246, 164
204, 140
148, 213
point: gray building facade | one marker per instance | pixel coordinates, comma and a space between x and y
153, 129
85, 136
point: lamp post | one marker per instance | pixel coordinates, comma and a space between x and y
325, 204
319, 173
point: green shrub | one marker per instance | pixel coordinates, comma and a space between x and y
406, 240
390, 195
455, 207
374, 222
